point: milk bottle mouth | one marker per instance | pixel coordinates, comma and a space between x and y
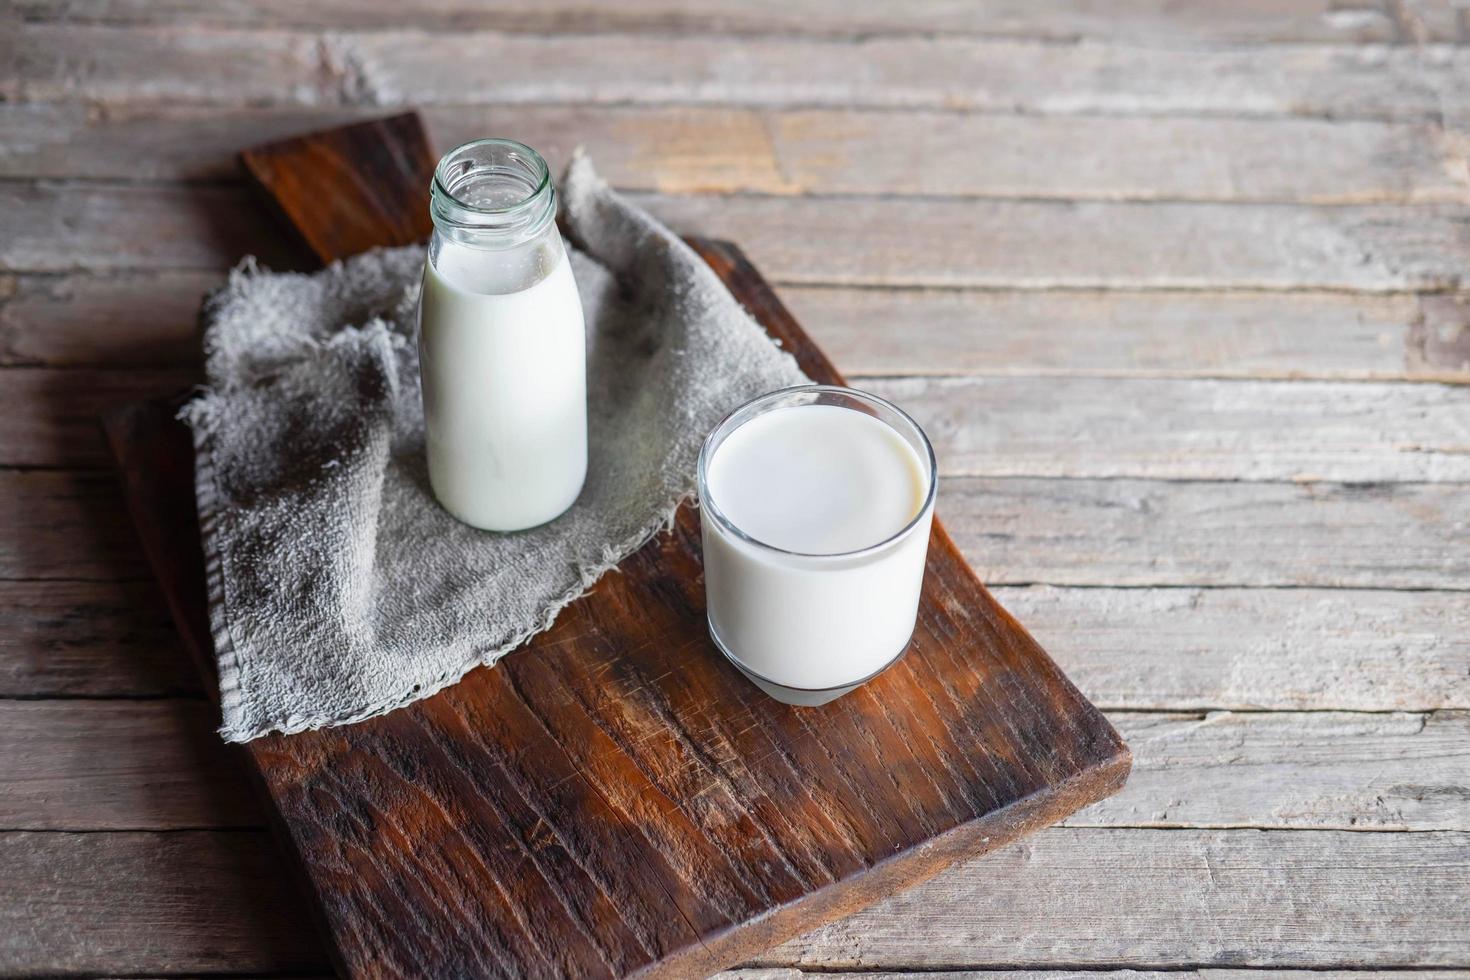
815, 394
492, 193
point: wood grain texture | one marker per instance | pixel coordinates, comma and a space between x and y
1131, 648
1441, 337
1126, 20
156, 765
1140, 533
89, 639
109, 65
141, 904
791, 973
1194, 429
54, 418
1129, 334
865, 241
1319, 770
1255, 649
67, 227
327, 185
149, 319
1131, 897
65, 525
147, 904
1051, 245
1007, 426
131, 320
118, 765
602, 776
705, 149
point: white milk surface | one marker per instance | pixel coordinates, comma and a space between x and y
822, 480
505, 385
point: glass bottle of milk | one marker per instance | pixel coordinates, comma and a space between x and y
502, 346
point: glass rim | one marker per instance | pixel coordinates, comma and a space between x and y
725, 427
542, 172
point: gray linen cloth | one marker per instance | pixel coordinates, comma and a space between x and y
338, 588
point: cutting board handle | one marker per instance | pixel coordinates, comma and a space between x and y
346, 190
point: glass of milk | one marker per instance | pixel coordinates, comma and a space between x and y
815, 506
502, 346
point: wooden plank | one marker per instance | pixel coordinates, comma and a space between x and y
149, 319
158, 765
105, 64
133, 320
65, 525
864, 241
1049, 245
109, 765
791, 973
1139, 533
1007, 426
1319, 770
89, 639
1203, 649
1122, 897
1190, 429
696, 149
1128, 20
141, 903
66, 227
1283, 160
201, 902
53, 416
1125, 333
1128, 533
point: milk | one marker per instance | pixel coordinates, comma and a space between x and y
503, 362
815, 520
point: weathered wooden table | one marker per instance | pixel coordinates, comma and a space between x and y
1178, 295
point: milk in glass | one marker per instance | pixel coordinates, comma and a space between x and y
816, 503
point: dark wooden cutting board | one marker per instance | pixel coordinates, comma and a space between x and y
614, 798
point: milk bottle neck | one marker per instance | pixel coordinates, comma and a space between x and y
492, 194
494, 213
